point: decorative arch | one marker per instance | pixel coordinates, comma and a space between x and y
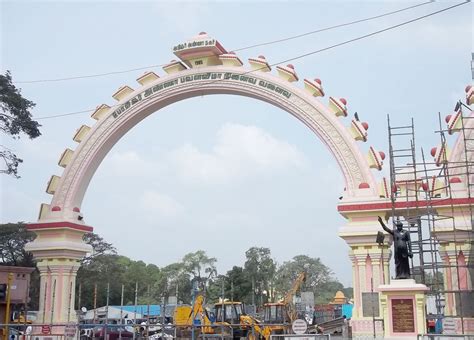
135, 105
205, 68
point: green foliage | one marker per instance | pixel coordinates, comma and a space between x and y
99, 246
15, 118
150, 284
13, 238
319, 278
201, 268
177, 282
260, 269
239, 285
215, 287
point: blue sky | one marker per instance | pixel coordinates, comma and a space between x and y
223, 173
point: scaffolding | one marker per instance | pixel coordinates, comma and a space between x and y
418, 188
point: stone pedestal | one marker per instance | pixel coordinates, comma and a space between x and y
402, 305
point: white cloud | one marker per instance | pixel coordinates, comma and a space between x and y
129, 164
240, 152
155, 204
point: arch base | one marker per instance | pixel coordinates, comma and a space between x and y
58, 250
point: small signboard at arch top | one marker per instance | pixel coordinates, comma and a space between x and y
299, 326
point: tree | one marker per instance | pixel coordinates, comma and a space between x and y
100, 271
260, 269
319, 278
177, 281
238, 285
13, 237
15, 118
115, 271
99, 246
201, 267
214, 289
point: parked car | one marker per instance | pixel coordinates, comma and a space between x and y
113, 332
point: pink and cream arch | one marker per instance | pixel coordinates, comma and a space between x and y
205, 67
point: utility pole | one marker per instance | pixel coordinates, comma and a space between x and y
253, 292
7, 311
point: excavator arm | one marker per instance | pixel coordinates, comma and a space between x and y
288, 299
199, 311
253, 323
294, 288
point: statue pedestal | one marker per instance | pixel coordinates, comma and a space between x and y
402, 305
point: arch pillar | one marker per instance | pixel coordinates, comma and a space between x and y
370, 267
456, 247
58, 266
456, 237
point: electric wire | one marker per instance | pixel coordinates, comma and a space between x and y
96, 75
375, 32
239, 49
331, 27
302, 55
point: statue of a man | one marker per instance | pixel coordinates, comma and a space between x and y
402, 249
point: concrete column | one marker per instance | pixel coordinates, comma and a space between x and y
58, 249
355, 287
457, 277
370, 266
57, 301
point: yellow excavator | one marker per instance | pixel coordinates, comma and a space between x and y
278, 316
185, 317
226, 320
231, 319
254, 328
231, 314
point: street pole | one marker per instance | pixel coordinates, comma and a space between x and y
95, 302
107, 311
192, 310
121, 313
253, 293
136, 301
223, 309
7, 311
148, 311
